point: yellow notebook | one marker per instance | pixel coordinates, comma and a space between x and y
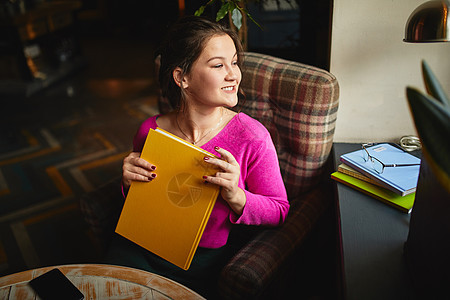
168, 215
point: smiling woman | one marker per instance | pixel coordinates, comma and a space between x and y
200, 74
213, 80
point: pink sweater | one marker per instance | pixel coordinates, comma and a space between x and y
251, 145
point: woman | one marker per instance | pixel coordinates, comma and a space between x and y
200, 75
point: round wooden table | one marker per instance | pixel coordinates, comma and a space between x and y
101, 282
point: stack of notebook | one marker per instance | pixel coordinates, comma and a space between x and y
395, 185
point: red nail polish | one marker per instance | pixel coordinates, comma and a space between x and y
205, 177
153, 168
206, 158
216, 148
153, 175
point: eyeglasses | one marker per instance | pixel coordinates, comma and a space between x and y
377, 164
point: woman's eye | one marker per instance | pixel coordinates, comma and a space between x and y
235, 63
218, 66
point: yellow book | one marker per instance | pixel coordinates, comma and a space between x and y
168, 215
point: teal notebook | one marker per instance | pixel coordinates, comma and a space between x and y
400, 180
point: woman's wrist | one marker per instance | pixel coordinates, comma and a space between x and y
237, 204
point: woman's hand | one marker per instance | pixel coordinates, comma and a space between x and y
228, 180
136, 169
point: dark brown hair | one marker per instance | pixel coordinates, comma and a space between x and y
182, 46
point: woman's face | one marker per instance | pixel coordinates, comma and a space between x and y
215, 76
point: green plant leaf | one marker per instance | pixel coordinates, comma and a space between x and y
200, 11
228, 6
222, 11
434, 88
432, 120
236, 16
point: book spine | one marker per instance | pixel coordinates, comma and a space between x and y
358, 175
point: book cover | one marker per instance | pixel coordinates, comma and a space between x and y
401, 180
168, 215
402, 203
343, 168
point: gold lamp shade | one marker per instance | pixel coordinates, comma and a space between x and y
430, 22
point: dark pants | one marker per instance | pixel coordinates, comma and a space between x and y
201, 276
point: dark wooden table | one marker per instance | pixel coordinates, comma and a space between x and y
372, 236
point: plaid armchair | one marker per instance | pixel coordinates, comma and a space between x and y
298, 104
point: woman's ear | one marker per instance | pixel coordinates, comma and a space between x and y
179, 78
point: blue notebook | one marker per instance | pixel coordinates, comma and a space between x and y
401, 180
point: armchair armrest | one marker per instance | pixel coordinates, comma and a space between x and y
251, 270
101, 210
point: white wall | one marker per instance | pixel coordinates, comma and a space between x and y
373, 66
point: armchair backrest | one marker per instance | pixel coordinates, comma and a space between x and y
298, 105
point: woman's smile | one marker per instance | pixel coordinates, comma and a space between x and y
229, 89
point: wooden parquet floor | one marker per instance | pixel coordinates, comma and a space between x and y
63, 142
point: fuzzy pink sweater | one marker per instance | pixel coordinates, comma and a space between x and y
260, 178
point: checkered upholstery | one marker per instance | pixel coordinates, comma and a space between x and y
298, 104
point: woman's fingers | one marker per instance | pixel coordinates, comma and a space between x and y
227, 156
138, 175
134, 159
227, 162
137, 169
228, 178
